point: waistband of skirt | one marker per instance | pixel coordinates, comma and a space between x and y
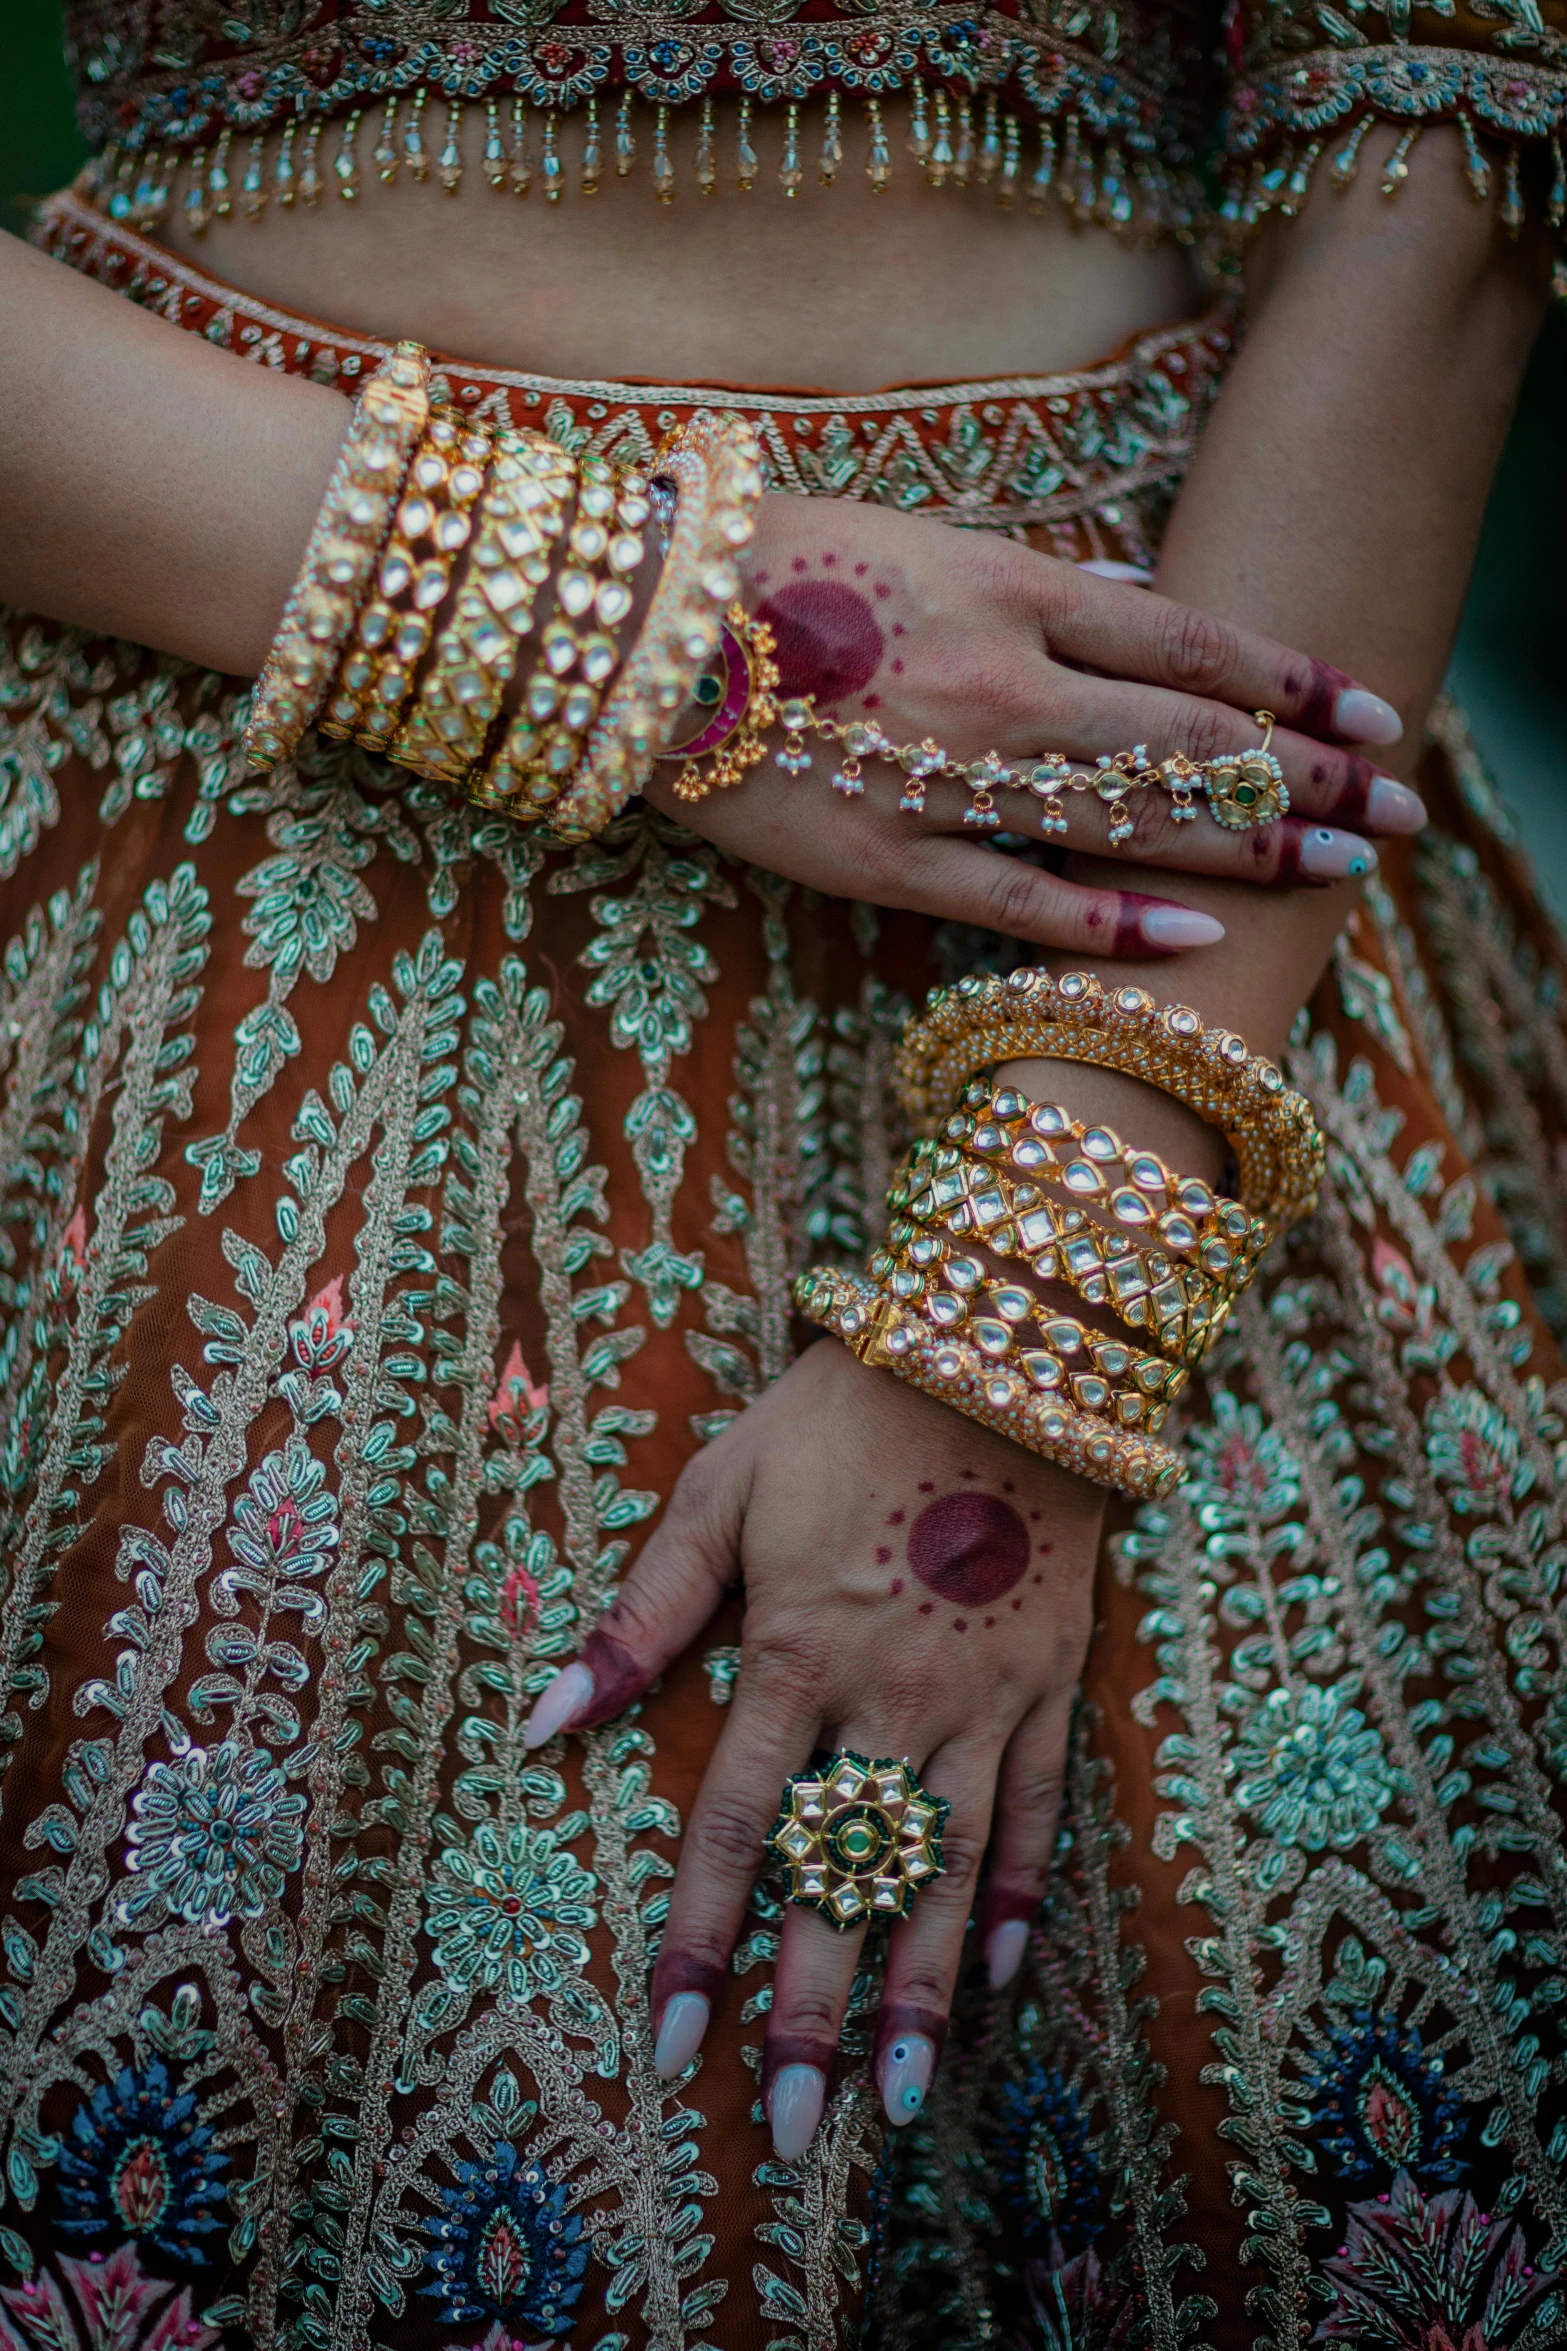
1085, 462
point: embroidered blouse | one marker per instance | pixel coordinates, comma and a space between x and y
1109, 106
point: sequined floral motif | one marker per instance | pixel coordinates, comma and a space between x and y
507, 2248
1312, 1769
214, 1835
1382, 2103
1045, 2160
508, 1913
139, 2162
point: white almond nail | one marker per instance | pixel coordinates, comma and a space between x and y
1004, 1952
795, 2109
1393, 808
1365, 718
680, 2034
1180, 926
567, 1696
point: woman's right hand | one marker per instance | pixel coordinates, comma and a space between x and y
985, 645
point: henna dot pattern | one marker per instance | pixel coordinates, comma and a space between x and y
971, 1548
828, 640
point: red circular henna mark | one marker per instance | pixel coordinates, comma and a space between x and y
927, 1607
871, 702
989, 1621
896, 1518
927, 1485
969, 1547
1017, 1603
897, 669
860, 570
882, 1555
960, 1624
896, 1586
827, 641
799, 563
882, 588
968, 1473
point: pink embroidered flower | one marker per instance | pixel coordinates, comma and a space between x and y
73, 1252
516, 1400
520, 1601
324, 1333
111, 2306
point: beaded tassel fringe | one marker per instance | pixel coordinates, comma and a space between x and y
957, 142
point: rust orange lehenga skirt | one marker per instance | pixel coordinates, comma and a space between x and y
389, 1205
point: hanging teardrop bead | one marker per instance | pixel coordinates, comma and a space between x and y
789, 173
663, 169
1040, 185
940, 163
832, 143
521, 169
1347, 159
551, 170
990, 143
745, 155
592, 152
494, 151
1011, 160
309, 167
196, 211
450, 164
413, 138
1396, 169
1512, 195
706, 151
878, 166
218, 188
253, 187
384, 155
919, 124
625, 144
283, 173
963, 147
345, 163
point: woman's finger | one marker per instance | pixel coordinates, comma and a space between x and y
680, 1575
1335, 786
1028, 1807
960, 882
1127, 631
770, 1733
926, 1949
811, 1986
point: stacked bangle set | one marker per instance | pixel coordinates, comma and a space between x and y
445, 546
1001, 1177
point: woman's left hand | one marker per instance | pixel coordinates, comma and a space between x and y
915, 1587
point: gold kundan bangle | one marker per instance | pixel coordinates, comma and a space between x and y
340, 555
894, 1338
520, 516
715, 463
1029, 1015
429, 530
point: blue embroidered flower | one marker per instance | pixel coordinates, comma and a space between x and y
507, 2248
1045, 2160
1312, 1771
505, 1913
215, 1833
1382, 2105
138, 2163
1239, 1469
1475, 1453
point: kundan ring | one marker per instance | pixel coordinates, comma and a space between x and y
857, 1839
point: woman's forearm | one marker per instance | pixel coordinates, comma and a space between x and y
1336, 501
152, 486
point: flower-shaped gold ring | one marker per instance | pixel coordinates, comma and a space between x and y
1247, 788
857, 1838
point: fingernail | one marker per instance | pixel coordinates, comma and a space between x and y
1136, 574
680, 2034
565, 1698
1331, 856
1393, 808
1180, 926
795, 2109
1004, 1952
906, 2068
1365, 718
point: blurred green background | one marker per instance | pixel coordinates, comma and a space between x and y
1510, 666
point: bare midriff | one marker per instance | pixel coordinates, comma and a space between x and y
838, 288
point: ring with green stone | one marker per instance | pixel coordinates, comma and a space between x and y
857, 1838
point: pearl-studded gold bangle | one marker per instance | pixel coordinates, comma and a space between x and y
715, 464
1028, 1014
340, 555
521, 514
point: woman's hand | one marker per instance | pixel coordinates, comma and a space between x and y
914, 1587
985, 645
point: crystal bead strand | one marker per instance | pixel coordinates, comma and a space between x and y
832, 143
283, 187
450, 164
413, 138
963, 151
309, 169
494, 150
253, 187
345, 163
219, 191
745, 156
663, 169
706, 156
940, 162
625, 144
789, 173
990, 143
592, 153
521, 170
919, 124
878, 166
196, 210
1006, 187
1044, 171
552, 172
385, 156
